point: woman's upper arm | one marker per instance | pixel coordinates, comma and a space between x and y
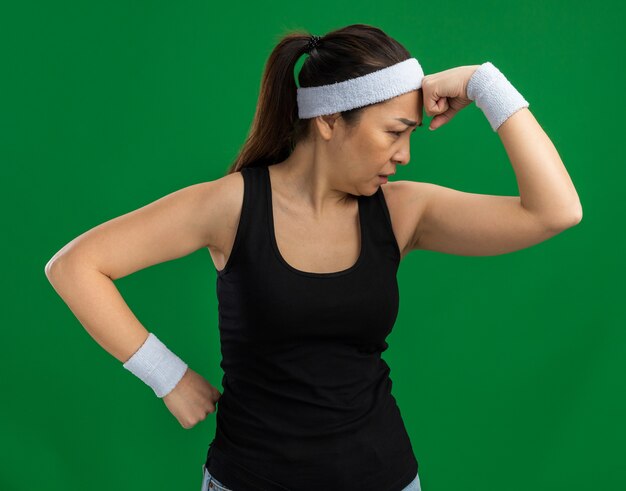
171, 227
468, 224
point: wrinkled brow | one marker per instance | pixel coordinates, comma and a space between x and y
409, 122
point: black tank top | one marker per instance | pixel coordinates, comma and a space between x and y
306, 401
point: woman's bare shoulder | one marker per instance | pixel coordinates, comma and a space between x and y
224, 200
175, 225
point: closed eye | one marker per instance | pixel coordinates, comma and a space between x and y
398, 133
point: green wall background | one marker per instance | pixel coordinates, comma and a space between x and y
508, 370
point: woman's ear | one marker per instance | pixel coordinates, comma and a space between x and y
327, 125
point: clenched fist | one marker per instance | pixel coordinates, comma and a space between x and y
192, 399
445, 93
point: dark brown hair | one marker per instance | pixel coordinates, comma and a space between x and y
345, 53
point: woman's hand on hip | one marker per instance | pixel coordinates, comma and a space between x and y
192, 399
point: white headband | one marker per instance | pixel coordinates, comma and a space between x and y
377, 86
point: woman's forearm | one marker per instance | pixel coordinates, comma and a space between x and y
545, 187
98, 305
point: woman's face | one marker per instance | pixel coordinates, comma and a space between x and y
379, 143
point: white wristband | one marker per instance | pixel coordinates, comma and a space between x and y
157, 366
494, 94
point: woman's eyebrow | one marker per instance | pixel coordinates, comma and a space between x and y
409, 122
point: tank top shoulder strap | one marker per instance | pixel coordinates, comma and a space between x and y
380, 229
257, 203
250, 219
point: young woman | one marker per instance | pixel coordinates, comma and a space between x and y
306, 234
